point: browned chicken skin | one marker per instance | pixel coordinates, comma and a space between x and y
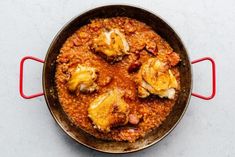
112, 45
156, 78
83, 79
109, 110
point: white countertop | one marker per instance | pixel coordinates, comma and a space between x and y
27, 27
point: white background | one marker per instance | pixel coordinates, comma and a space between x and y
27, 28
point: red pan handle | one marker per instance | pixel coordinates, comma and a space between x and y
213, 78
21, 77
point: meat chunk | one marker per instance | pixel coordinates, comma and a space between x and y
133, 119
134, 66
109, 110
151, 46
154, 77
83, 78
171, 58
112, 45
129, 27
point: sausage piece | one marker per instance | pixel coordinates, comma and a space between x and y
134, 66
133, 119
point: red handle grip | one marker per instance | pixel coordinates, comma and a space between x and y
21, 77
213, 78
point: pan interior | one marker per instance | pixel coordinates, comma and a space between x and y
159, 26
